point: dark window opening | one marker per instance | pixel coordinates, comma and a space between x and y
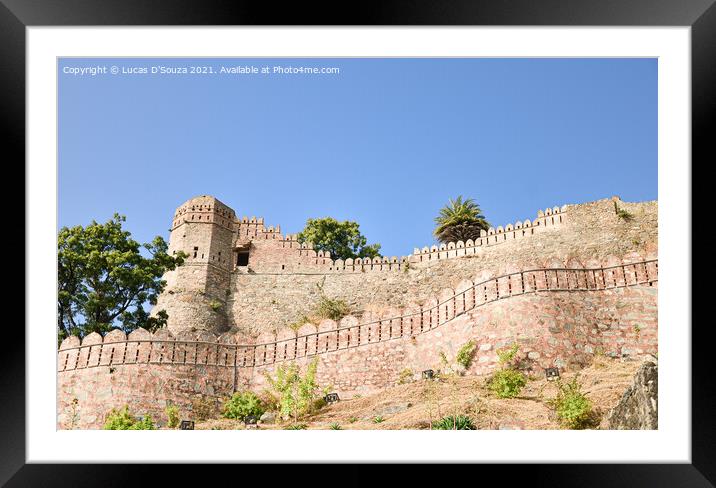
195, 251
242, 258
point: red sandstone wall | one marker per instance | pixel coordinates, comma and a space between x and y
559, 316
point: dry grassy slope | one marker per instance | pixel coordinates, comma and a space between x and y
603, 382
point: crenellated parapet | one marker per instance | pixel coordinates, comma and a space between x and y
241, 350
278, 253
546, 219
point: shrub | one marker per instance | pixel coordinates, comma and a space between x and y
405, 376
123, 420
352, 420
297, 427
622, 214
335, 426
215, 305
172, 416
378, 419
242, 405
465, 354
203, 408
326, 308
331, 308
505, 356
507, 383
296, 394
573, 408
454, 422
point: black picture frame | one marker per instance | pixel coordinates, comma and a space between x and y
700, 15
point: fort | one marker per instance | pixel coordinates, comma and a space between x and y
571, 282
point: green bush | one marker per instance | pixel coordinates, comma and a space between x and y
123, 420
242, 405
335, 426
297, 427
331, 308
623, 214
465, 354
296, 395
507, 383
505, 356
378, 419
574, 409
454, 422
172, 416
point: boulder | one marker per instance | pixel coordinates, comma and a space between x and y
268, 418
391, 409
637, 409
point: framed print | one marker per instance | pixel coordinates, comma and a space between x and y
413, 220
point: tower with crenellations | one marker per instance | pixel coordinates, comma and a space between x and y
569, 283
197, 291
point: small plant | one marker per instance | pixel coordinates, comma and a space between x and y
454, 422
172, 412
296, 394
352, 420
123, 420
637, 329
406, 376
465, 354
573, 408
622, 214
505, 356
242, 405
379, 419
215, 305
203, 408
74, 415
335, 426
406, 266
326, 308
507, 383
331, 308
297, 427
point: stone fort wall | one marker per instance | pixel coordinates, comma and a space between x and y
279, 282
560, 315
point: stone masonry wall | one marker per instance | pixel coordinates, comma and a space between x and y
560, 316
266, 301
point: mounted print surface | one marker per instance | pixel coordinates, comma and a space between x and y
357, 243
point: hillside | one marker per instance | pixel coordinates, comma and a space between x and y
414, 405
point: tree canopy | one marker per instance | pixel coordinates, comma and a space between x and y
342, 239
104, 281
459, 220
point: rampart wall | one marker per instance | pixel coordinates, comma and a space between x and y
560, 314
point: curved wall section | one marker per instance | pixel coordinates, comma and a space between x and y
560, 315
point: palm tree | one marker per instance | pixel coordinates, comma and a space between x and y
459, 221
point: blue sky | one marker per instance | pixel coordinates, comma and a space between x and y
385, 142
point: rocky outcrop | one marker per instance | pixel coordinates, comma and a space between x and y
637, 409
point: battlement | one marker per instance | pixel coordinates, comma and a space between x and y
204, 209
561, 312
573, 280
287, 255
351, 331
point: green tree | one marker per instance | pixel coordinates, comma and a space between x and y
342, 239
460, 220
104, 281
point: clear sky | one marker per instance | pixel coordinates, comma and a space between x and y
384, 142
